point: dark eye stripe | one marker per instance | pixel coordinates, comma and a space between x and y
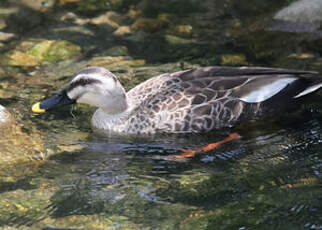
81, 82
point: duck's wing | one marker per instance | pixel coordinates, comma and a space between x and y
203, 99
249, 84
239, 71
226, 77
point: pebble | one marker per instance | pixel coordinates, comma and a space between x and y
6, 36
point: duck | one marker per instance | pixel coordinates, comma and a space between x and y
196, 100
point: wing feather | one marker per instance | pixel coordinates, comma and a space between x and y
203, 99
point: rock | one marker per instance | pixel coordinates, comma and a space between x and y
8, 10
110, 18
149, 24
2, 24
133, 13
116, 51
233, 60
53, 51
81, 21
182, 30
18, 58
301, 11
68, 16
174, 40
166, 18
19, 152
75, 29
296, 27
138, 36
122, 30
33, 52
105, 19
112, 62
6, 36
300, 16
301, 56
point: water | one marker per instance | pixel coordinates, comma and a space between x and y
55, 172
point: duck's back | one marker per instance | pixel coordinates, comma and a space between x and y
209, 98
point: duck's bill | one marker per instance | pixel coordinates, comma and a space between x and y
58, 100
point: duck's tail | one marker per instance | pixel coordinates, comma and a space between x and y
313, 84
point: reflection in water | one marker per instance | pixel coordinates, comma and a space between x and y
276, 174
268, 177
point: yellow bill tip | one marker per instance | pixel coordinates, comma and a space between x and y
37, 109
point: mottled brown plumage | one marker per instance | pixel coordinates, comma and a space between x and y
201, 100
198, 100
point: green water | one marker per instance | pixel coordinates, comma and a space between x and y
56, 173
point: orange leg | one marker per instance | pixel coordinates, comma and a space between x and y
192, 152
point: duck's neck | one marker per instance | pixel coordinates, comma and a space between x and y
113, 122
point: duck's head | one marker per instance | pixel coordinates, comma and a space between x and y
95, 86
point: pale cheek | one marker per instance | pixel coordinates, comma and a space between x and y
90, 99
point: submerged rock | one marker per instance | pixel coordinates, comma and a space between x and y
301, 16
2, 24
18, 58
75, 29
233, 60
115, 61
6, 36
182, 30
149, 24
52, 51
301, 11
117, 51
19, 152
301, 56
174, 40
110, 18
36, 51
109, 62
122, 30
5, 11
